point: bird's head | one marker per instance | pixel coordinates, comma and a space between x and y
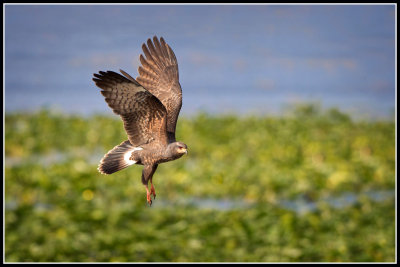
179, 148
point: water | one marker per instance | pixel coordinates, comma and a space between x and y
56, 157
239, 58
300, 205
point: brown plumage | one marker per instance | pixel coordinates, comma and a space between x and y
149, 107
159, 75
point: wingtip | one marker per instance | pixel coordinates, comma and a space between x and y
155, 39
144, 47
162, 40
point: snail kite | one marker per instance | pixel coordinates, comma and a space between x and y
149, 107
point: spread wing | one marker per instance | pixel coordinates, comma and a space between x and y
159, 75
144, 116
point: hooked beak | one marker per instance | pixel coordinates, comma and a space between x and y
182, 150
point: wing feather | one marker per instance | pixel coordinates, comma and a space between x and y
143, 115
157, 58
159, 74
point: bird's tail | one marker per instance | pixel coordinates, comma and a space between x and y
117, 158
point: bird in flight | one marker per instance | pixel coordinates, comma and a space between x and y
149, 107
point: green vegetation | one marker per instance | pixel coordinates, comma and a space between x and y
59, 208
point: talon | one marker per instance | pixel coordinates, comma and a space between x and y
153, 191
149, 197
149, 200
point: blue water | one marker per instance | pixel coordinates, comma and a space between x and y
241, 59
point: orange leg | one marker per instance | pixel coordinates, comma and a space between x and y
153, 191
148, 196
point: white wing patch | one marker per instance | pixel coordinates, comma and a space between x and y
128, 154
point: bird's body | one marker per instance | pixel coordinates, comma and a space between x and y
146, 156
149, 107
